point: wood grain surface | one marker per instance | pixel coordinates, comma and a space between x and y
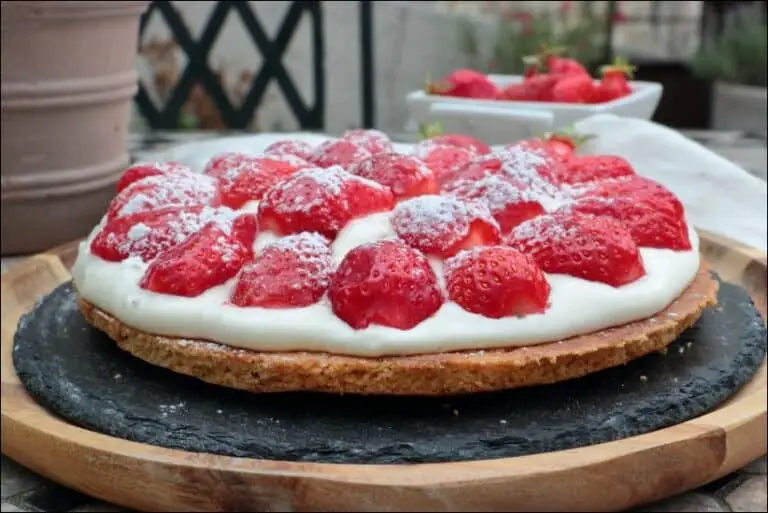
605, 477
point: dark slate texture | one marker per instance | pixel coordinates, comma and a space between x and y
80, 374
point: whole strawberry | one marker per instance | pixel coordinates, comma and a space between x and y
614, 83
384, 283
465, 83
576, 88
496, 282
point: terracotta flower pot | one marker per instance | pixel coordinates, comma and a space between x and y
68, 80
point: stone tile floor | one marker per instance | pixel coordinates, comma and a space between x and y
744, 490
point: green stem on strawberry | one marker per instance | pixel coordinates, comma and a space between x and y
568, 135
429, 130
620, 65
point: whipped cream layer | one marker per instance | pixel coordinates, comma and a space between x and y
577, 307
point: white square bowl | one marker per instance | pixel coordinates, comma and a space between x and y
502, 121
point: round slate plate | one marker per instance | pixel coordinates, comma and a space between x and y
83, 376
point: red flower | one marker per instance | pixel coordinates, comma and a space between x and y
566, 5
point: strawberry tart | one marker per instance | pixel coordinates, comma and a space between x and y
348, 267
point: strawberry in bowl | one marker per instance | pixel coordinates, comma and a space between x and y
554, 91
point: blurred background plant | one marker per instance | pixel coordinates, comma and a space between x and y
738, 55
581, 27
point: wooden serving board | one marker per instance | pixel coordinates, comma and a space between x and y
605, 477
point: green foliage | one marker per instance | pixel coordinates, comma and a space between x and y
738, 56
521, 33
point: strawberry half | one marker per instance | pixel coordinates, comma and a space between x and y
243, 178
650, 227
147, 234
590, 168
636, 188
462, 141
442, 226
496, 282
140, 171
321, 200
384, 283
339, 152
443, 159
298, 149
291, 272
374, 141
168, 190
407, 176
593, 248
509, 204
529, 169
206, 259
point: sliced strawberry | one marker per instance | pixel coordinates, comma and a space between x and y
574, 89
462, 141
140, 171
509, 204
589, 168
208, 258
169, 190
384, 283
637, 188
374, 141
593, 248
407, 176
247, 178
496, 282
292, 272
442, 159
321, 200
465, 83
650, 227
147, 234
339, 152
442, 226
298, 149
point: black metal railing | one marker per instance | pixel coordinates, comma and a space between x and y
310, 116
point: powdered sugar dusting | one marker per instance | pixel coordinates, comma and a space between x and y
172, 230
542, 230
319, 184
393, 170
179, 189
374, 141
432, 221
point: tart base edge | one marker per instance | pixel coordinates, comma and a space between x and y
440, 374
